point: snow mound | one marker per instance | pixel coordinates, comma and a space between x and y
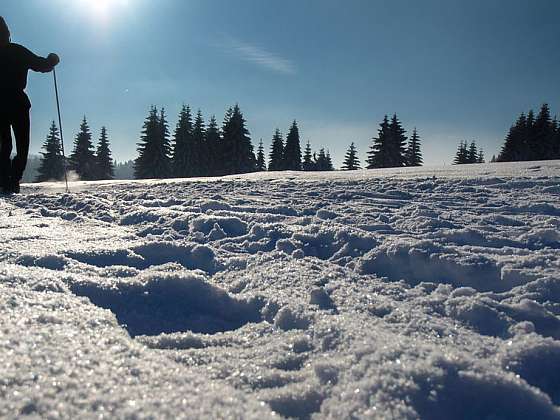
171, 303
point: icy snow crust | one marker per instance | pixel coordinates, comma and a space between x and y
420, 293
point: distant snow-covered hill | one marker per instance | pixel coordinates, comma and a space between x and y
406, 293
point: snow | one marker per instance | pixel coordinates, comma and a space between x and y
407, 293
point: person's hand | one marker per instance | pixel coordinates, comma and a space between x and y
53, 59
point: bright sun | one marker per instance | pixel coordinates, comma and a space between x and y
101, 8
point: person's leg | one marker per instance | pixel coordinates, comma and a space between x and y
21, 125
5, 152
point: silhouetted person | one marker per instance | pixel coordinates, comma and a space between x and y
15, 63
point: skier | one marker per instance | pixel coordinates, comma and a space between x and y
15, 62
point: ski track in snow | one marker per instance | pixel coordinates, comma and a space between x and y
416, 293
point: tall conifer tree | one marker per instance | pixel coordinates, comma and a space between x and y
52, 163
213, 144
82, 159
105, 167
276, 156
378, 155
413, 153
472, 155
462, 155
200, 152
397, 144
239, 156
154, 148
308, 164
351, 161
292, 151
182, 153
261, 164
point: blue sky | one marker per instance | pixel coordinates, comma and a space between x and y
454, 69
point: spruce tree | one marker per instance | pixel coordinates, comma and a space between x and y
200, 153
182, 153
213, 145
276, 156
154, 148
528, 150
261, 164
543, 135
292, 151
378, 155
104, 162
308, 164
238, 152
396, 144
329, 163
462, 155
52, 162
413, 153
514, 145
82, 159
472, 155
351, 161
480, 157
321, 160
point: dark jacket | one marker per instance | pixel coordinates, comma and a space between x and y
15, 63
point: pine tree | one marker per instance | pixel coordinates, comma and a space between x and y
213, 144
82, 159
542, 146
413, 153
276, 156
329, 164
351, 161
182, 154
462, 155
321, 160
104, 162
514, 146
308, 164
528, 149
397, 144
154, 148
238, 152
378, 153
261, 164
480, 157
292, 151
52, 162
200, 153
472, 155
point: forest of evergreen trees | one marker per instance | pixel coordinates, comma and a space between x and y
392, 148
532, 138
197, 148
468, 154
87, 163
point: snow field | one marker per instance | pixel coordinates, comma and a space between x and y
428, 293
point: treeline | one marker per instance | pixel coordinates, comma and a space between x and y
197, 149
88, 164
532, 138
392, 148
287, 156
468, 154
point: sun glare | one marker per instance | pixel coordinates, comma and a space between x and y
101, 8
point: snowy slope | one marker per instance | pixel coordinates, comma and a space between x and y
416, 293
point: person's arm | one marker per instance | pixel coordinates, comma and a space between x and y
40, 64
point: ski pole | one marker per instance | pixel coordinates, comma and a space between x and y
60, 126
